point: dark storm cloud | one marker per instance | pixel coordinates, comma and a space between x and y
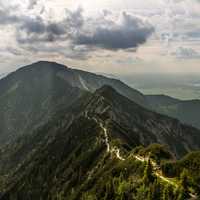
129, 34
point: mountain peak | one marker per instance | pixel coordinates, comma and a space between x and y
43, 65
44, 62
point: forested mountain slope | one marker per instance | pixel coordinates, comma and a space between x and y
87, 152
30, 96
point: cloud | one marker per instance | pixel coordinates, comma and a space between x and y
14, 51
75, 35
35, 29
72, 52
126, 32
130, 32
38, 30
32, 29
6, 17
186, 53
194, 34
128, 60
33, 25
32, 4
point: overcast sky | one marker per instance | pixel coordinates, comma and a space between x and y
110, 36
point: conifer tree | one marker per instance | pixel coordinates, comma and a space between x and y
148, 173
183, 193
166, 193
184, 179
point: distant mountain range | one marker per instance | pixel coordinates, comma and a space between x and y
186, 111
70, 134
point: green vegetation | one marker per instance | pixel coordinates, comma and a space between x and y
148, 173
188, 169
84, 170
95, 147
156, 152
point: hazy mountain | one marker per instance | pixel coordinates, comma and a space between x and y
32, 94
29, 97
87, 151
186, 111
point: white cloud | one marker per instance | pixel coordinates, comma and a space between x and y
42, 27
186, 53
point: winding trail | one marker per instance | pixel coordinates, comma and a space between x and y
156, 169
116, 151
110, 149
166, 179
106, 137
158, 173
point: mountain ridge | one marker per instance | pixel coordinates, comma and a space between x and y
32, 94
71, 151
